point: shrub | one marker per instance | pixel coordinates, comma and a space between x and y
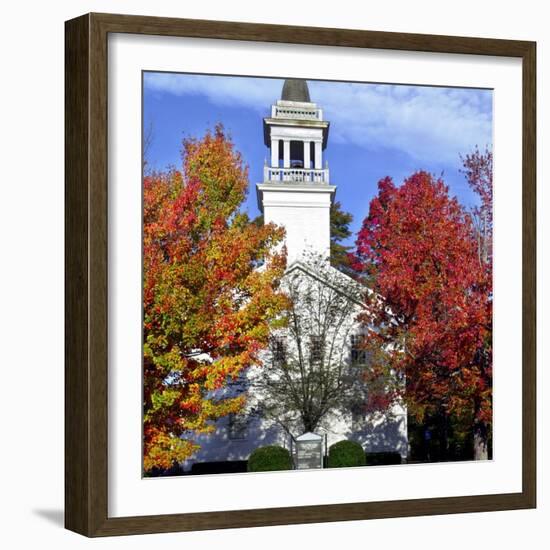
269, 459
345, 454
383, 459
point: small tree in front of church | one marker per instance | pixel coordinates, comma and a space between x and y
306, 375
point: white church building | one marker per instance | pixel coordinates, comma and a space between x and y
295, 390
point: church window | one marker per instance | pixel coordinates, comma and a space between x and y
278, 350
358, 351
316, 349
237, 426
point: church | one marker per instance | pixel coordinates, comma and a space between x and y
310, 377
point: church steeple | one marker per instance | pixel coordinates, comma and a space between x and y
296, 192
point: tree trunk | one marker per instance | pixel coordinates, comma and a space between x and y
309, 424
481, 443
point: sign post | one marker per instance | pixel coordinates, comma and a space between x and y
309, 451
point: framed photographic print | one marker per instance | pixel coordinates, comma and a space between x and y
300, 275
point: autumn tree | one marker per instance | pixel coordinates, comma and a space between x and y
207, 306
430, 301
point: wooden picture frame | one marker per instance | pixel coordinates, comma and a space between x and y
86, 282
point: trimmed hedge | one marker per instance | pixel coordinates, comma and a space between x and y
269, 458
345, 454
383, 459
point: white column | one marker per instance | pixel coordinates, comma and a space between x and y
307, 159
274, 153
286, 153
318, 155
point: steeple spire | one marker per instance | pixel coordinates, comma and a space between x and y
295, 89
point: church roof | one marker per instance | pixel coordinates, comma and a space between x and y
333, 278
295, 89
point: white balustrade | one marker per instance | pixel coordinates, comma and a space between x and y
295, 175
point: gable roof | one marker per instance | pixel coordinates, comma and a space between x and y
342, 279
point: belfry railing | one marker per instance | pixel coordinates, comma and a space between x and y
299, 175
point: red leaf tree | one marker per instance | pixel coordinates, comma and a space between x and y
210, 295
432, 303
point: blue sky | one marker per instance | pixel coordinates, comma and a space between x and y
376, 130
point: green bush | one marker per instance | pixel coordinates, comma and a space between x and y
269, 459
345, 454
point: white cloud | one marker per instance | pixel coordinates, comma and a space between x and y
428, 123
255, 93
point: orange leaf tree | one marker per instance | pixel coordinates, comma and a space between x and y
210, 295
432, 300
